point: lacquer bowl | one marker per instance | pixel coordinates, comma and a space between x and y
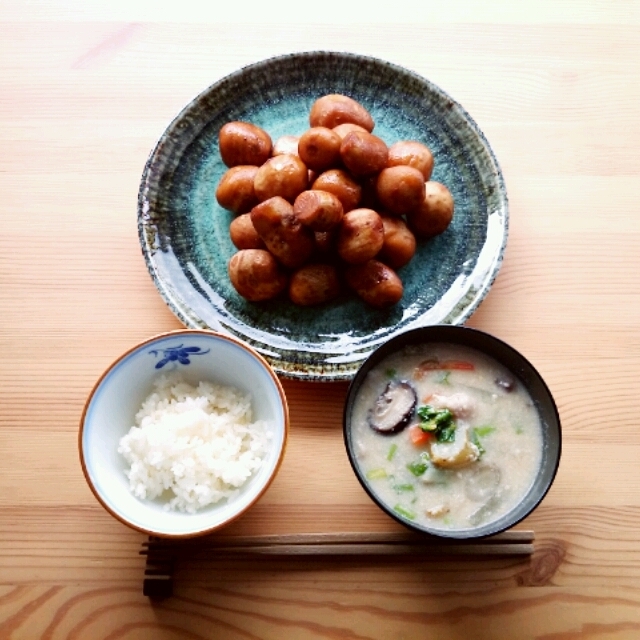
521, 371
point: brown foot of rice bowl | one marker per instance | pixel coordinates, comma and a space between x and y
193, 446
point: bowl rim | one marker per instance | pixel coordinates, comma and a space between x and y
161, 336
387, 349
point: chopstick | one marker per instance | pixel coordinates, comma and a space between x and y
162, 553
349, 543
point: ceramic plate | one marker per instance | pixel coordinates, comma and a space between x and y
184, 232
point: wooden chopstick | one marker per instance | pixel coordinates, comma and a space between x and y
378, 549
163, 553
349, 543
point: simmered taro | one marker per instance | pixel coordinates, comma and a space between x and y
347, 193
445, 437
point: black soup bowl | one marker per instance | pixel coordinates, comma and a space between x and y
399, 397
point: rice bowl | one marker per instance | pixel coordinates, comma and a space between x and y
241, 470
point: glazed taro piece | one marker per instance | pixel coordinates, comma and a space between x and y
235, 191
400, 189
284, 175
394, 408
361, 236
319, 148
342, 185
412, 154
335, 109
376, 283
318, 210
290, 242
243, 234
256, 274
285, 145
334, 195
243, 143
363, 153
434, 214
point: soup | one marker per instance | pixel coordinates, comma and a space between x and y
445, 436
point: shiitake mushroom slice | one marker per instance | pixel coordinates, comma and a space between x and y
506, 383
393, 408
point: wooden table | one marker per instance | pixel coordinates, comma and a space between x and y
84, 95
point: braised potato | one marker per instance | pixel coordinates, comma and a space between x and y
319, 148
400, 189
235, 190
326, 243
342, 185
334, 109
376, 283
399, 244
363, 153
314, 284
434, 214
285, 144
346, 128
318, 209
412, 154
369, 198
288, 240
256, 275
244, 143
284, 175
361, 236
333, 202
243, 233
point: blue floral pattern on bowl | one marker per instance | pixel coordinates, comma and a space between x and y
179, 354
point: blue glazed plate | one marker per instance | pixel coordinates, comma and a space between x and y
184, 233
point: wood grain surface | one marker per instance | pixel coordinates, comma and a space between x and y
85, 91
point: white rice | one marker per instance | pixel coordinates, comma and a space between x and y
193, 446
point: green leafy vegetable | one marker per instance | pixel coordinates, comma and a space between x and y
430, 418
473, 436
447, 433
437, 421
518, 429
417, 468
392, 451
443, 378
376, 474
480, 432
400, 488
420, 466
390, 373
405, 513
484, 430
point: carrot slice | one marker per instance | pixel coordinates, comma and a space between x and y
418, 436
446, 365
458, 365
